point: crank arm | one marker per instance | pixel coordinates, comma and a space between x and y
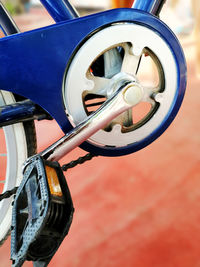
127, 96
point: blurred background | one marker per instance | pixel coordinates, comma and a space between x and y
141, 210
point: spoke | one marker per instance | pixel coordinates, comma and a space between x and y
3, 155
2, 181
100, 85
131, 60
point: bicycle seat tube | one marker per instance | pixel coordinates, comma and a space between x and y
60, 10
151, 6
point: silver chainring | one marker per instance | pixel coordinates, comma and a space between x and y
119, 52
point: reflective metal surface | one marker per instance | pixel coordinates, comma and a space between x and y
123, 99
152, 6
60, 10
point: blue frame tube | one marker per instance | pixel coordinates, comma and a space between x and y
150, 6
7, 24
20, 112
60, 10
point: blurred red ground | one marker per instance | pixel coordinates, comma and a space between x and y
141, 210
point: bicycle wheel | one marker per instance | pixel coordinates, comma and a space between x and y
17, 143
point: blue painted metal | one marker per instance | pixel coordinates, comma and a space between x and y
150, 6
145, 5
33, 64
20, 112
60, 10
157, 7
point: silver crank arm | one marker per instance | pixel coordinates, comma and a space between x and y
123, 99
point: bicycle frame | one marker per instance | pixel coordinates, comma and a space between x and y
60, 10
37, 65
151, 6
63, 10
29, 75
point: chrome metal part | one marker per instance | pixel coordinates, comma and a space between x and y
125, 97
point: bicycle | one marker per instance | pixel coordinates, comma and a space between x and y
119, 57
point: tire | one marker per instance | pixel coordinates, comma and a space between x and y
18, 142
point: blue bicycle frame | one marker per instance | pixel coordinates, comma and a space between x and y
39, 77
62, 10
42, 65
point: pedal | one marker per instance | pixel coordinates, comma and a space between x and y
42, 213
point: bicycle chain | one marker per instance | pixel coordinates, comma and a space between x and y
8, 193
65, 167
79, 161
